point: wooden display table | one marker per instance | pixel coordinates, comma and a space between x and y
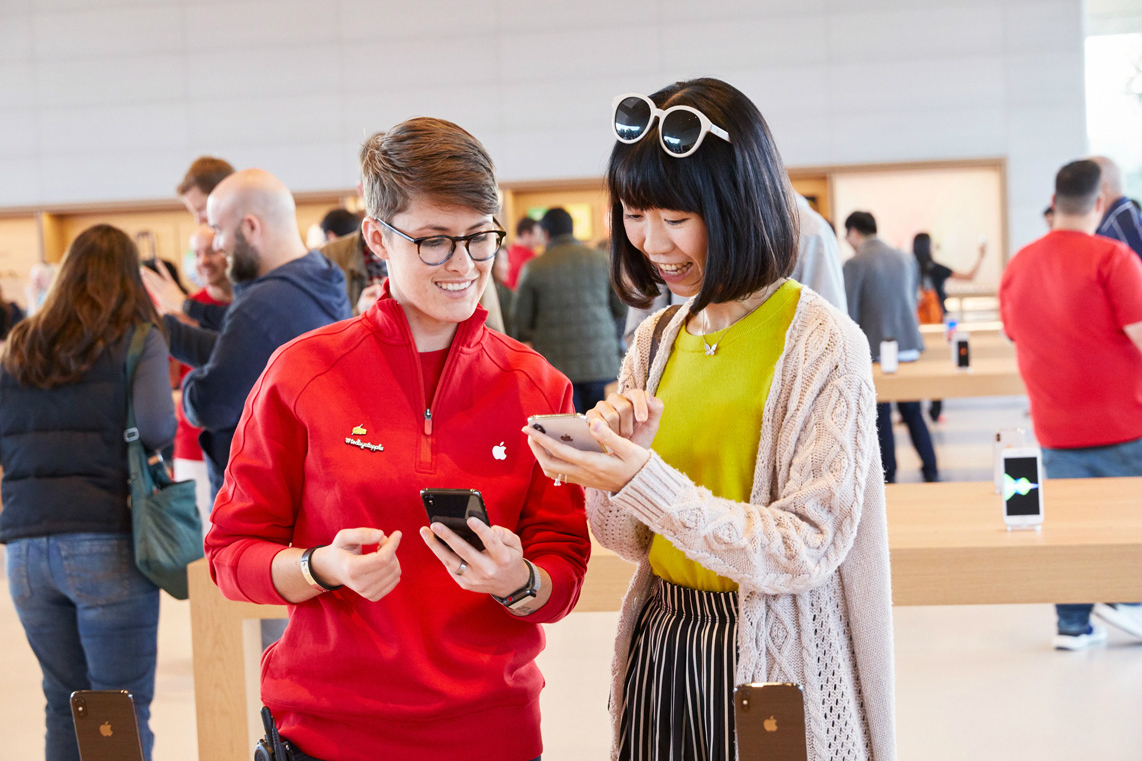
948, 545
991, 343
939, 379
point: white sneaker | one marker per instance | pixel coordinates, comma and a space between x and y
1126, 617
1094, 635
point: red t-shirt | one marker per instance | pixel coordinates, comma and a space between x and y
517, 257
431, 368
1064, 300
186, 445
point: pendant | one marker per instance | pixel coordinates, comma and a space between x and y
710, 349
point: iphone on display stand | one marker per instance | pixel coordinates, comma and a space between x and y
961, 350
1022, 489
1005, 438
889, 355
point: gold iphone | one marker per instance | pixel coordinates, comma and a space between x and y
770, 721
106, 727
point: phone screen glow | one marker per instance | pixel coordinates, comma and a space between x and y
1021, 485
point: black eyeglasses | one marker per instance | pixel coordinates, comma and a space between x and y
681, 129
434, 250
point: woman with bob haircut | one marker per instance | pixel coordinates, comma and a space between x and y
420, 649
744, 475
90, 616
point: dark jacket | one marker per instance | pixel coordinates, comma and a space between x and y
295, 298
565, 307
62, 449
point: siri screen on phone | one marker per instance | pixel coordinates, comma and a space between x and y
1021, 485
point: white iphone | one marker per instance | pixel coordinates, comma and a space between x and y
1022, 488
1004, 439
569, 428
889, 355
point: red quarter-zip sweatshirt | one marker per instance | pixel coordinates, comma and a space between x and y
337, 434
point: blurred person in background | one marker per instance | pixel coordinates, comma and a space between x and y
528, 240
1120, 218
281, 290
40, 278
935, 276
881, 284
199, 182
10, 314
210, 267
346, 247
566, 310
90, 616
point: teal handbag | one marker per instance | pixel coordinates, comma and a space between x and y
164, 515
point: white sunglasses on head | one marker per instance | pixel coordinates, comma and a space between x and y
681, 129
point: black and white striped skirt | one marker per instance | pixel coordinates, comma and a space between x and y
678, 694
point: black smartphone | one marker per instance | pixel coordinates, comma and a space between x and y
963, 352
770, 721
106, 727
453, 508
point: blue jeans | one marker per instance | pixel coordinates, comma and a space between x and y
913, 418
1117, 460
92, 620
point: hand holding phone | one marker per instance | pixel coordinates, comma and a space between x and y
453, 508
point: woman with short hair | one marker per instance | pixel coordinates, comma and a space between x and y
405, 649
90, 616
744, 474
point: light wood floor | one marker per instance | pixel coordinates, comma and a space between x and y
973, 682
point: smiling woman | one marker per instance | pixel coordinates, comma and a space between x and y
352, 423
743, 474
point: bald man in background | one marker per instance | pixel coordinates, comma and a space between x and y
281, 290
1121, 220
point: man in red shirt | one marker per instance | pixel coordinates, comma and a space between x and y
528, 237
1072, 302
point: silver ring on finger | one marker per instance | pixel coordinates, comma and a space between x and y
461, 568
559, 479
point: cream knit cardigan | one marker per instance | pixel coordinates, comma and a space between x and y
810, 550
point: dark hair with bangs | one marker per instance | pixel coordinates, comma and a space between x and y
740, 190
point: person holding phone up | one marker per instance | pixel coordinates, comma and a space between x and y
397, 648
744, 474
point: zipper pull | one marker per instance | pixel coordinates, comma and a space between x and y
427, 422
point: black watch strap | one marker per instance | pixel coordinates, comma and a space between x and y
310, 576
528, 591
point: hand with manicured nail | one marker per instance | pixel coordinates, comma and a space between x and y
633, 413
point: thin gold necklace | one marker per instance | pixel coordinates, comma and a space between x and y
712, 349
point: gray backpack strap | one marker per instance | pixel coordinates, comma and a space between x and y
656, 336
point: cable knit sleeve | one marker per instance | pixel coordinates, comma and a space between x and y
810, 479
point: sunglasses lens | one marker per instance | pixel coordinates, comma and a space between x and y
681, 131
632, 117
